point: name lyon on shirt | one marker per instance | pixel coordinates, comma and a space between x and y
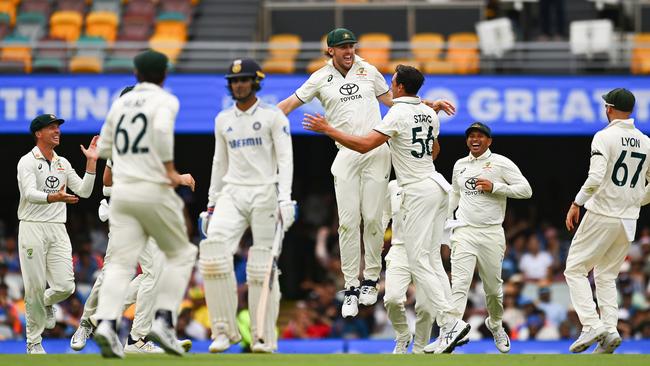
630, 141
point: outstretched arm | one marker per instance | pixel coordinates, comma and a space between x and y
361, 144
290, 104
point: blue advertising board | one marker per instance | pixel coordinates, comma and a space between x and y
511, 105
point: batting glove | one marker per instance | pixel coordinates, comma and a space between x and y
102, 211
287, 213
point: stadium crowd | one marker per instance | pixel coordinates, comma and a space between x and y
536, 298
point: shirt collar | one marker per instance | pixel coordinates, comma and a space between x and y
407, 99
250, 111
147, 86
624, 123
38, 155
485, 155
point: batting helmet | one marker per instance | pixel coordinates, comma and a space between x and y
246, 67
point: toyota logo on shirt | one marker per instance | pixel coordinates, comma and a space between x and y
52, 182
471, 183
349, 90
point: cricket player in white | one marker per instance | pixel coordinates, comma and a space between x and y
138, 136
44, 246
252, 172
481, 184
142, 288
412, 128
349, 89
612, 195
399, 277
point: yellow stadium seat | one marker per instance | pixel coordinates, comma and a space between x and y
9, 8
316, 64
169, 45
375, 48
284, 45
640, 63
18, 52
66, 25
427, 47
86, 64
102, 24
279, 66
171, 28
462, 52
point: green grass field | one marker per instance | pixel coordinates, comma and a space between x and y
331, 360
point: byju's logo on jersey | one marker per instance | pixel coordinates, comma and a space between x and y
349, 90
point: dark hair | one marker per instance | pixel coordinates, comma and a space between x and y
410, 77
154, 77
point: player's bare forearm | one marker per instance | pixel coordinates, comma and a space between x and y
107, 178
362, 144
289, 104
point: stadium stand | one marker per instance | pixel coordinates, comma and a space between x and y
283, 49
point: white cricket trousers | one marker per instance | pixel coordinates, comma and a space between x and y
486, 247
237, 208
360, 182
139, 211
423, 204
600, 244
45, 259
141, 291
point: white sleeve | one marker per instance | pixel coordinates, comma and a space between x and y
379, 82
27, 183
308, 90
105, 144
515, 186
389, 125
597, 170
219, 165
163, 129
283, 148
454, 194
82, 187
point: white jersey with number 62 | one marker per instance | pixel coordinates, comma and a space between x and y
138, 135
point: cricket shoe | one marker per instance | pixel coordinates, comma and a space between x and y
350, 306
431, 347
609, 344
220, 343
450, 334
368, 292
35, 349
50, 319
143, 346
260, 347
165, 336
587, 338
81, 335
107, 340
402, 344
186, 344
501, 339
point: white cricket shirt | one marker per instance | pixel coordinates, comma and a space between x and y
350, 101
412, 127
138, 135
478, 208
37, 178
252, 147
618, 171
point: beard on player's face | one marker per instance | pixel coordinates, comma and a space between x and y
241, 89
343, 55
478, 143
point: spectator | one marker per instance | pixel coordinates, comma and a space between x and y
535, 264
10, 327
555, 313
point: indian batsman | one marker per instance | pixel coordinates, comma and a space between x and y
412, 129
252, 173
612, 195
45, 251
349, 89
